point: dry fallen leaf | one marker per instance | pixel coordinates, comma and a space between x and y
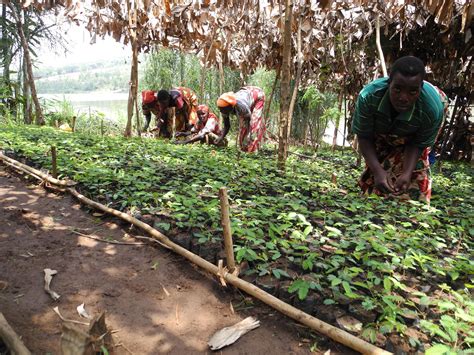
350, 324
229, 335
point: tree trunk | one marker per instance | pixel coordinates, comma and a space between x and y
29, 68
137, 114
6, 51
221, 78
269, 103
285, 88
379, 47
449, 130
132, 93
345, 121
336, 123
297, 80
204, 67
27, 109
306, 131
182, 66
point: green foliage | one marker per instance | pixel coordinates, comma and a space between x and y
166, 68
321, 108
401, 262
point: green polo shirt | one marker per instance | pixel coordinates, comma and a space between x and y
421, 123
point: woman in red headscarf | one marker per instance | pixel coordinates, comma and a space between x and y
151, 105
247, 104
206, 129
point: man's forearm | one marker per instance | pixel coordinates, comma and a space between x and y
411, 156
367, 149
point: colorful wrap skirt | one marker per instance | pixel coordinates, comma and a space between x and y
252, 131
191, 100
390, 152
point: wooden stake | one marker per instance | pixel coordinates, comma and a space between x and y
11, 339
73, 124
54, 170
225, 221
33, 171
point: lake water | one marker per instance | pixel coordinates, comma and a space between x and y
112, 104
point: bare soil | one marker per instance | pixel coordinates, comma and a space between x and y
155, 301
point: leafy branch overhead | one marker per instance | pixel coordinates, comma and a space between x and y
247, 34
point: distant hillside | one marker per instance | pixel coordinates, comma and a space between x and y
87, 77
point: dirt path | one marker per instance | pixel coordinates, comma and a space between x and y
126, 281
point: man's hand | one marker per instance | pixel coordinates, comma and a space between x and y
402, 183
382, 182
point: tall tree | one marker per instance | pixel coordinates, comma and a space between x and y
16, 13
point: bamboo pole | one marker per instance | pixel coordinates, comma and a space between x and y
326, 329
225, 221
54, 169
11, 339
29, 169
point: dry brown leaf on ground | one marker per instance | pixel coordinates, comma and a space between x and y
350, 324
229, 335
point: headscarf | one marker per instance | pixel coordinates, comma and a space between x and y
203, 108
226, 99
148, 96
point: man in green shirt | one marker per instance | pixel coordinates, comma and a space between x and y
396, 121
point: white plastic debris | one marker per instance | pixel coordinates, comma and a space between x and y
229, 335
48, 276
82, 311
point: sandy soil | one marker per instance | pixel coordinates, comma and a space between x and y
128, 282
